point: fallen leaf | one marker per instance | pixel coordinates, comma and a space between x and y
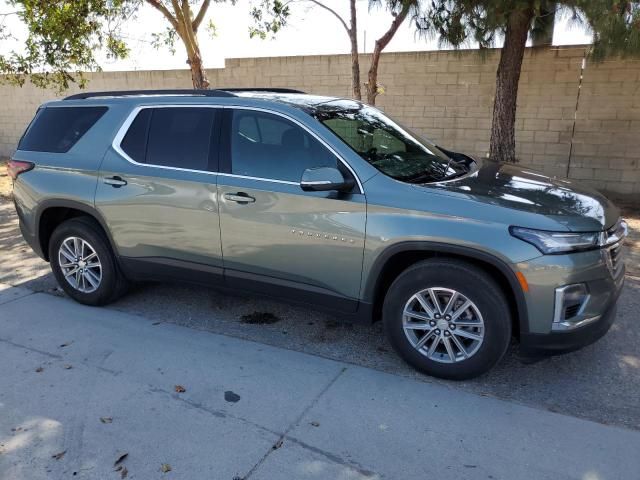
39, 370
277, 445
165, 467
180, 389
58, 456
106, 419
68, 367
120, 459
315, 424
66, 344
124, 472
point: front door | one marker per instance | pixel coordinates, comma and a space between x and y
273, 231
157, 189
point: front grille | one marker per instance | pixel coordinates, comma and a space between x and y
571, 311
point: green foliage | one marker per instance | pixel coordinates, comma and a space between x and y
166, 39
62, 38
615, 26
269, 17
615, 23
65, 35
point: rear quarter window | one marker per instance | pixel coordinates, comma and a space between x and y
57, 129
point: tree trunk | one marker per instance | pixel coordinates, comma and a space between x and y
372, 79
355, 59
187, 28
198, 75
503, 143
381, 43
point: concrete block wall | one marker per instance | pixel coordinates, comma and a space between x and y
587, 127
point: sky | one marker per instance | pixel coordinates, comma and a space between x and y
310, 31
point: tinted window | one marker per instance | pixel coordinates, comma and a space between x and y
134, 142
180, 137
57, 129
269, 146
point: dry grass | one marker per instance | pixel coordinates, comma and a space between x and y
5, 181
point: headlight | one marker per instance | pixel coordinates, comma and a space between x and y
558, 242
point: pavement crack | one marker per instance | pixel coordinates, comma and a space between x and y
7, 302
334, 458
295, 422
213, 411
31, 349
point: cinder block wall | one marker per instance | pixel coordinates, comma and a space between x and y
575, 121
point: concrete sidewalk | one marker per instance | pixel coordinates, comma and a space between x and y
255, 411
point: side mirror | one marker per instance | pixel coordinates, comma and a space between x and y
323, 179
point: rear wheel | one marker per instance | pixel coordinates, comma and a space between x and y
447, 318
83, 263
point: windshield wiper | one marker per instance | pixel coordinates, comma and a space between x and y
420, 178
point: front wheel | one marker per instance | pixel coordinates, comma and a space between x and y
447, 318
83, 262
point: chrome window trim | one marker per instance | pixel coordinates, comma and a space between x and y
124, 128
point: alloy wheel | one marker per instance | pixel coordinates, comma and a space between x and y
80, 264
443, 325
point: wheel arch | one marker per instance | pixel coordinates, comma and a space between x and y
52, 213
396, 258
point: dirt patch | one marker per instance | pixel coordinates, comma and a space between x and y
6, 186
259, 318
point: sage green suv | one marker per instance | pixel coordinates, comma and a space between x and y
319, 200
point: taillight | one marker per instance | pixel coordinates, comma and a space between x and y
16, 167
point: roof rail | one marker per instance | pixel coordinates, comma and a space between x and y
129, 93
262, 89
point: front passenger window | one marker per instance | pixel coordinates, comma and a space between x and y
265, 145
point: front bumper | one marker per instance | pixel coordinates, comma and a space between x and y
558, 342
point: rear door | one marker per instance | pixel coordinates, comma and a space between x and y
157, 188
275, 235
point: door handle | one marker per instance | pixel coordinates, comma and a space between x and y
115, 181
239, 197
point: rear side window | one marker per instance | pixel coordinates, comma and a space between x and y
134, 142
174, 137
57, 129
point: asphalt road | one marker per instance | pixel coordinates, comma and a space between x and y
86, 393
600, 382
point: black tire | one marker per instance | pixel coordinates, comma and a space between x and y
112, 284
471, 282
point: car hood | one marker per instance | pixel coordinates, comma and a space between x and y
576, 207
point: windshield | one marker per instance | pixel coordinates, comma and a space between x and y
388, 146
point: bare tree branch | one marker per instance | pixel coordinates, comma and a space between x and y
381, 43
333, 12
157, 4
388, 35
201, 14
